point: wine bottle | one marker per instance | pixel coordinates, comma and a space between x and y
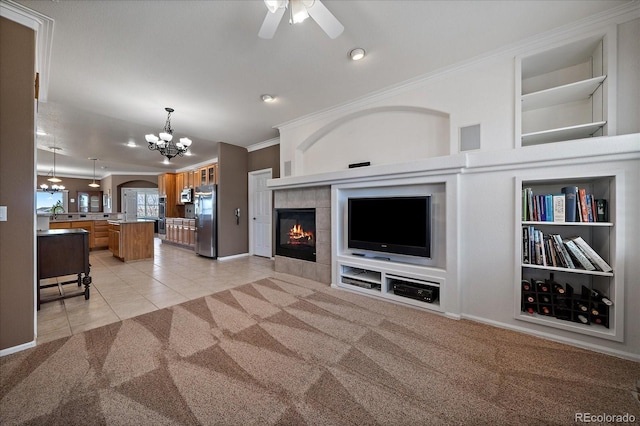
526, 285
542, 286
545, 310
582, 319
581, 306
594, 311
557, 288
531, 299
595, 294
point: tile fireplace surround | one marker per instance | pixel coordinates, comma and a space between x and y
319, 198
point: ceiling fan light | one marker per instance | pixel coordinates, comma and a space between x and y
166, 136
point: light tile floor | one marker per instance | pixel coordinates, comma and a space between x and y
124, 290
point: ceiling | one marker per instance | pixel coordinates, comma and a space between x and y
115, 66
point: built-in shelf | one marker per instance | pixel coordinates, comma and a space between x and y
571, 271
562, 94
581, 224
562, 134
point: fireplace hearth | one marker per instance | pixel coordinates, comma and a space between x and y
296, 233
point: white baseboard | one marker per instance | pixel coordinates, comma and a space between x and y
235, 256
18, 348
550, 336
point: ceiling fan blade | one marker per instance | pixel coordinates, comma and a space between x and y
270, 23
325, 19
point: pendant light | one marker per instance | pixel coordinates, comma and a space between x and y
94, 184
52, 176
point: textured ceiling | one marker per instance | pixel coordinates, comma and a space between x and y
115, 65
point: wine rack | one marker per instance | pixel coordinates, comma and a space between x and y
549, 298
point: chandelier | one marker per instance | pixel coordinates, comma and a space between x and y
164, 144
52, 176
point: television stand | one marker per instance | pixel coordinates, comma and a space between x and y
378, 276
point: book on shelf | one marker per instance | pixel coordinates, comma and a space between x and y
602, 214
591, 254
578, 255
563, 251
571, 197
558, 208
525, 245
582, 202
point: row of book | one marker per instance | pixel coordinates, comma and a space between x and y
572, 205
552, 250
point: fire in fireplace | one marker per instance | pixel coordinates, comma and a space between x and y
295, 233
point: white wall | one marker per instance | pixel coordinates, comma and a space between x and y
483, 92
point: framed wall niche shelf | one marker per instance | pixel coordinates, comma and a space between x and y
567, 92
535, 297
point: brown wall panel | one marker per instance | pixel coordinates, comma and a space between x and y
233, 238
17, 172
266, 158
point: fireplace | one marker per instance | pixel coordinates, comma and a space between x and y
296, 233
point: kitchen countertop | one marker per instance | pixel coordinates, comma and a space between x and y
121, 221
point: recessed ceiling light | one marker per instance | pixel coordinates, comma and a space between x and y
268, 98
357, 54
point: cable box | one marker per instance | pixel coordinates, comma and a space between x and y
425, 293
360, 283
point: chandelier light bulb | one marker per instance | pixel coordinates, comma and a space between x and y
151, 138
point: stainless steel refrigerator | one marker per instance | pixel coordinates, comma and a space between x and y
205, 200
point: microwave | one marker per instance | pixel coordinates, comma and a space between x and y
186, 196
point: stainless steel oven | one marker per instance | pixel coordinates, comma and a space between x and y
162, 212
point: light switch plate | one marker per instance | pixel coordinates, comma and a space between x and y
3, 213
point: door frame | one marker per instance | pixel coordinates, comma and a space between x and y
252, 179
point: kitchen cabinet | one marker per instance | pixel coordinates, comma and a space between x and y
167, 189
89, 201
181, 231
131, 240
208, 175
100, 234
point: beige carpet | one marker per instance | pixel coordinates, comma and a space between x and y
299, 352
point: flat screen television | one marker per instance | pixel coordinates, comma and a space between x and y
400, 225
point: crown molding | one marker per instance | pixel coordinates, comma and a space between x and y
43, 27
263, 145
614, 16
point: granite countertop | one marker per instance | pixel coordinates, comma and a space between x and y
121, 221
77, 217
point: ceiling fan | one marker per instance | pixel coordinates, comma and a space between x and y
299, 10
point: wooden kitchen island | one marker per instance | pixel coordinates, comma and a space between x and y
131, 240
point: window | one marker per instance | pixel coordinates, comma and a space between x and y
147, 203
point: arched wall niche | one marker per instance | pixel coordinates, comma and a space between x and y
381, 135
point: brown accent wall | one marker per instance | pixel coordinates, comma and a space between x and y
267, 158
233, 190
111, 186
17, 172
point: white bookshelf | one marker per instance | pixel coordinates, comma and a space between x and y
607, 239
